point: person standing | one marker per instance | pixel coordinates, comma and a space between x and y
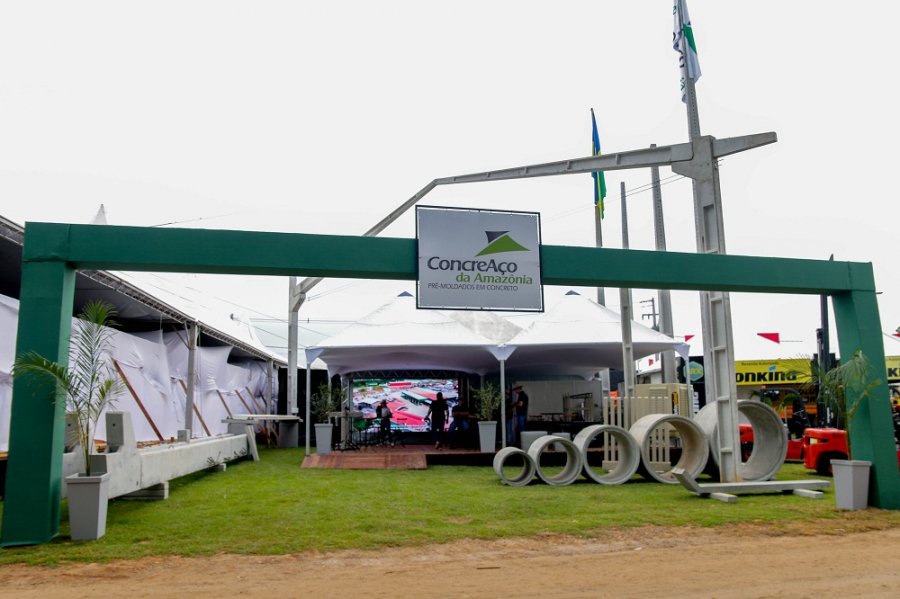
438, 411
459, 422
510, 416
384, 413
521, 411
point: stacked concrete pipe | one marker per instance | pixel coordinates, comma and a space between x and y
629, 453
573, 460
769, 438
525, 475
694, 450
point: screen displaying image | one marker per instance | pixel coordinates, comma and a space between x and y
408, 399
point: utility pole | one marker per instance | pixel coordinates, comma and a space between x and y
626, 313
666, 326
715, 306
652, 314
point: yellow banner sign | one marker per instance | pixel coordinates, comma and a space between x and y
794, 371
893, 368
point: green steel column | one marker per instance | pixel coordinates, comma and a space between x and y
37, 426
872, 433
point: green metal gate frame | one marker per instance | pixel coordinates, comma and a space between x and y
53, 252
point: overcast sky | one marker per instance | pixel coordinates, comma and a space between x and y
323, 117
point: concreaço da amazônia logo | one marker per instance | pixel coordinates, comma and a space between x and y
499, 242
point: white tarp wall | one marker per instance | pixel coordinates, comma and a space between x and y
9, 318
155, 366
241, 387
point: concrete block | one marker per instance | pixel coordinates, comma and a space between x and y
154, 493
529, 437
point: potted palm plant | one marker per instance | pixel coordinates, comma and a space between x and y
843, 389
324, 401
488, 400
88, 386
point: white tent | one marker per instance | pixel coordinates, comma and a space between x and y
578, 337
397, 336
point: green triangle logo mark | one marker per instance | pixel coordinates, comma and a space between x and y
501, 242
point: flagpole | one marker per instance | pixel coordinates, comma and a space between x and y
715, 306
598, 234
693, 113
605, 385
601, 296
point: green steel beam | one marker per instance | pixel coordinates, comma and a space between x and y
640, 269
248, 252
872, 432
217, 251
53, 251
37, 425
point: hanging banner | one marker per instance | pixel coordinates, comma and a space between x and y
479, 259
793, 371
893, 368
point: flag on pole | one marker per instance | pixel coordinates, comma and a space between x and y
683, 43
773, 337
599, 179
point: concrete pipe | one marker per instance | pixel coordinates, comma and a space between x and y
525, 475
573, 460
694, 447
629, 454
769, 438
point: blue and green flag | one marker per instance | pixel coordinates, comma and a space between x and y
599, 179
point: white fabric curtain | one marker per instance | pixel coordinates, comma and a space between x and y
155, 365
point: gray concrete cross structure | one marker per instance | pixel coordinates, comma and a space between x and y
696, 160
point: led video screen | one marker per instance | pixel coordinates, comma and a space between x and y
408, 399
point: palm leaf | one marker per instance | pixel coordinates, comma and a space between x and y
89, 384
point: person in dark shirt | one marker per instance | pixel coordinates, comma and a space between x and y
438, 411
460, 422
384, 413
521, 405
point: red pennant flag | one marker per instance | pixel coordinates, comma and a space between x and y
773, 337
688, 338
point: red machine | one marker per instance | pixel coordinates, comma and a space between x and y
821, 445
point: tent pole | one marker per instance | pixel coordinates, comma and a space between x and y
503, 403
293, 330
308, 399
193, 332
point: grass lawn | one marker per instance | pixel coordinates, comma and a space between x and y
275, 507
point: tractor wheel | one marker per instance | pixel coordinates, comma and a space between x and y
823, 466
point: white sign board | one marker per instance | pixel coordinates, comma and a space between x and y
479, 259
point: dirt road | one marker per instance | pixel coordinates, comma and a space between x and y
747, 561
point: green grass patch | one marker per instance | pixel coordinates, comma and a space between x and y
275, 507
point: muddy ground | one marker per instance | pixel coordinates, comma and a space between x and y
827, 560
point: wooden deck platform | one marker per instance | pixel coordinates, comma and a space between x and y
409, 457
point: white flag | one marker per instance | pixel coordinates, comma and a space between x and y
683, 43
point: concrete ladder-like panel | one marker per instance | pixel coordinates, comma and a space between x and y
694, 447
769, 438
629, 453
573, 460
525, 476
